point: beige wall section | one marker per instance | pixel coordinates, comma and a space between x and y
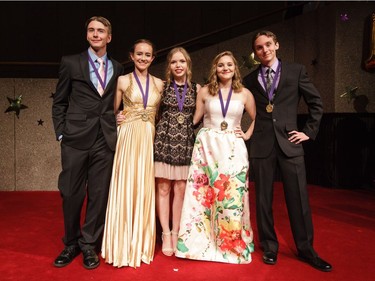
30, 155
7, 137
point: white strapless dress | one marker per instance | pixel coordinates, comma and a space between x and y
215, 221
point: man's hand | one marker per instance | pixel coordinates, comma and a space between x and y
297, 137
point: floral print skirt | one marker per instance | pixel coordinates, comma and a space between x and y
215, 221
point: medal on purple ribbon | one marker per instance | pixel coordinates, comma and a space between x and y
269, 107
180, 100
144, 115
224, 124
270, 92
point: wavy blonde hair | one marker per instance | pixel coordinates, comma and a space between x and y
168, 71
213, 83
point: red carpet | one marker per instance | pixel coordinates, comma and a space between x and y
31, 228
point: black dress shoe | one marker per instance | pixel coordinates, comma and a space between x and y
317, 263
90, 259
66, 256
269, 258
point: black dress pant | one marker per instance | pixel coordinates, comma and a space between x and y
85, 172
296, 197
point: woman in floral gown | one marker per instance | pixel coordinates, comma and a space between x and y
215, 221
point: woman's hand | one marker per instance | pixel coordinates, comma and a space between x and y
239, 133
120, 118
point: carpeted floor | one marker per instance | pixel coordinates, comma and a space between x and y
31, 228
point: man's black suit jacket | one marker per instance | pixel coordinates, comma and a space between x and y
294, 83
78, 110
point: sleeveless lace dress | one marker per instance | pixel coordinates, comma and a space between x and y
174, 141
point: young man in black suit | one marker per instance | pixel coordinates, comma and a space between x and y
85, 124
277, 141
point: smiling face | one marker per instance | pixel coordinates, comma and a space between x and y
225, 68
265, 48
98, 36
178, 66
142, 56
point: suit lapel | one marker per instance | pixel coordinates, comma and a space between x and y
115, 71
84, 64
115, 74
282, 80
257, 83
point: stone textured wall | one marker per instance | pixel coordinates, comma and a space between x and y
30, 155
349, 44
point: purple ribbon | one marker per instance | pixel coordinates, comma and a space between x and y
103, 83
273, 86
180, 100
145, 96
225, 109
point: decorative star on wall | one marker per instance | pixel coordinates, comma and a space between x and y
350, 93
249, 61
314, 62
15, 105
40, 122
344, 17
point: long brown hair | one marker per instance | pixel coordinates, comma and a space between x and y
213, 83
143, 41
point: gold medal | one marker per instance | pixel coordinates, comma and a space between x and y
269, 108
180, 119
144, 116
224, 125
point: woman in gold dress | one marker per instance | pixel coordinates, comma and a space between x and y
130, 229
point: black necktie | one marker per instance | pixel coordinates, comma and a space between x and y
269, 79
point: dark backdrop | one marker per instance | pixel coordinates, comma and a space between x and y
36, 34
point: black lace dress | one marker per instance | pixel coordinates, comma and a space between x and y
174, 139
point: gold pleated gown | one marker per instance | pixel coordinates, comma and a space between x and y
130, 229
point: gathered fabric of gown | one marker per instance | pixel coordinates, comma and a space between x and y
215, 220
130, 229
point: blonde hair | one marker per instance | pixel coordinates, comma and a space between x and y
168, 71
213, 83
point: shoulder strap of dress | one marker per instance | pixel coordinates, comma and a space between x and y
194, 89
130, 79
153, 80
194, 86
154, 83
129, 89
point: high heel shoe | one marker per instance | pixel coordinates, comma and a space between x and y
166, 251
174, 243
